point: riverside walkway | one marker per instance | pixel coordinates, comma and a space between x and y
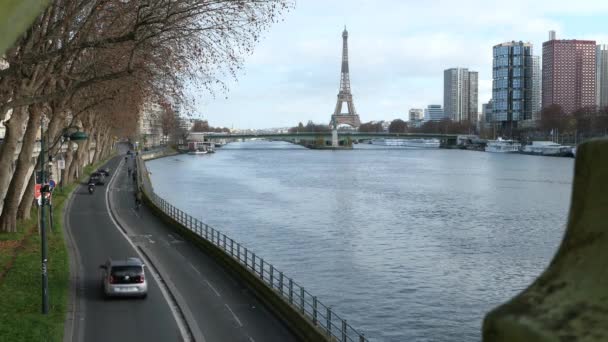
191, 297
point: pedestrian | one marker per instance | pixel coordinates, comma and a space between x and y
137, 200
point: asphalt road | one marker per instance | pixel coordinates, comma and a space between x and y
212, 304
97, 238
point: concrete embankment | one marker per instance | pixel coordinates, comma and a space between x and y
158, 154
569, 300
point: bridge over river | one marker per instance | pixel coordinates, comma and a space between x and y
445, 139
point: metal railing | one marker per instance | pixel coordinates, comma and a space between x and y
321, 315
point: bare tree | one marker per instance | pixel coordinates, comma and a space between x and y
79, 56
397, 126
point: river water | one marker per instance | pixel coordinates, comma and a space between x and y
406, 244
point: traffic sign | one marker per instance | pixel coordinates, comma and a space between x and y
52, 184
61, 164
37, 189
38, 193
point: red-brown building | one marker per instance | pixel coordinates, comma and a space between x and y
569, 74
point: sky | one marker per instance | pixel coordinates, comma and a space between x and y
398, 50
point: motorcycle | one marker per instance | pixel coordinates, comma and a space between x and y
91, 188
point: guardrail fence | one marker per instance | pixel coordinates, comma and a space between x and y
336, 328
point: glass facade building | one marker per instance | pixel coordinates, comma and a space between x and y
512, 83
486, 111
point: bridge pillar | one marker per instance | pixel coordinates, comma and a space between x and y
334, 138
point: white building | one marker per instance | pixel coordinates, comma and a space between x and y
460, 93
433, 113
537, 82
416, 114
150, 129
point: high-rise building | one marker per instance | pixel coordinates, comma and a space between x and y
512, 83
601, 78
569, 74
537, 81
473, 96
460, 92
434, 113
486, 111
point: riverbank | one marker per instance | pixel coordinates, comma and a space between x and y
20, 287
151, 155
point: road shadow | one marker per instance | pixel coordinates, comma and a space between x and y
92, 290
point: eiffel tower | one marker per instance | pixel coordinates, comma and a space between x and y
351, 118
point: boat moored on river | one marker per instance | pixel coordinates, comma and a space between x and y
197, 152
200, 148
548, 148
502, 146
415, 143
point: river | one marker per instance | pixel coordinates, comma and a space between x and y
406, 244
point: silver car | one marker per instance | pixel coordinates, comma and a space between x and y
124, 278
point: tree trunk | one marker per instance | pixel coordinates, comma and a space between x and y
8, 218
25, 207
14, 133
106, 143
71, 171
53, 133
69, 157
87, 153
98, 146
77, 162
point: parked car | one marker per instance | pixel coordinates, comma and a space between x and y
97, 178
105, 172
124, 278
129, 152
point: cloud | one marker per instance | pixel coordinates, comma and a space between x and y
398, 51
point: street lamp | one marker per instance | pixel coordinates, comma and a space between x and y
43, 190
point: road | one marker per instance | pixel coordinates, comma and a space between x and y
193, 297
96, 239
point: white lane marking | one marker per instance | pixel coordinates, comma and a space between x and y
207, 281
213, 288
135, 212
195, 269
163, 289
234, 315
251, 339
